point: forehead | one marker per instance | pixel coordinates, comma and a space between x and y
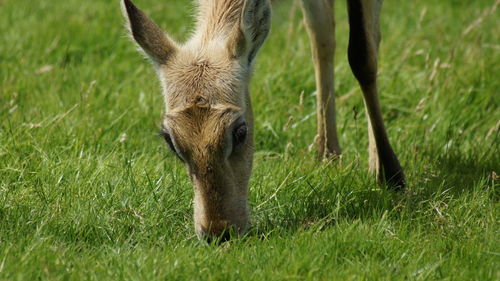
193, 78
202, 117
201, 125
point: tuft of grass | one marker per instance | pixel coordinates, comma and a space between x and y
87, 190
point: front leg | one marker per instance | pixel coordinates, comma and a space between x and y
320, 24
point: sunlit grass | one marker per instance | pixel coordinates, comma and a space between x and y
88, 191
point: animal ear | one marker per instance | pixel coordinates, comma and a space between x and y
146, 33
250, 33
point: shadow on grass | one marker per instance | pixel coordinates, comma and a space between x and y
463, 172
340, 199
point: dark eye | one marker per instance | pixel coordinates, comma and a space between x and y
240, 134
166, 135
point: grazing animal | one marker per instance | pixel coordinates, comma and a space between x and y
208, 122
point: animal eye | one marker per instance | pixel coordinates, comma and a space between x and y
240, 134
166, 136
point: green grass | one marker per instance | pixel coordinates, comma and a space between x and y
89, 192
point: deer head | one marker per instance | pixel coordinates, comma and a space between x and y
208, 120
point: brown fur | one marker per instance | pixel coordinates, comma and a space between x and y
205, 87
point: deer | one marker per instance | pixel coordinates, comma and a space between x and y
208, 120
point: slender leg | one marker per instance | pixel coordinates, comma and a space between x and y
320, 24
364, 38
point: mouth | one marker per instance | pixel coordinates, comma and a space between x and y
220, 232
217, 239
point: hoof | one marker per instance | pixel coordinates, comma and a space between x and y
326, 152
330, 156
394, 178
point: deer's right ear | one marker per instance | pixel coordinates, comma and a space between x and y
146, 33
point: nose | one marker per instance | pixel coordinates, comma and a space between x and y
218, 239
215, 235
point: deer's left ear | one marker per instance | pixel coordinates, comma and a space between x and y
250, 33
146, 33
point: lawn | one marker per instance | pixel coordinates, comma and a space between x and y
88, 191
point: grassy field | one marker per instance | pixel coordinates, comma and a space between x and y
88, 191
